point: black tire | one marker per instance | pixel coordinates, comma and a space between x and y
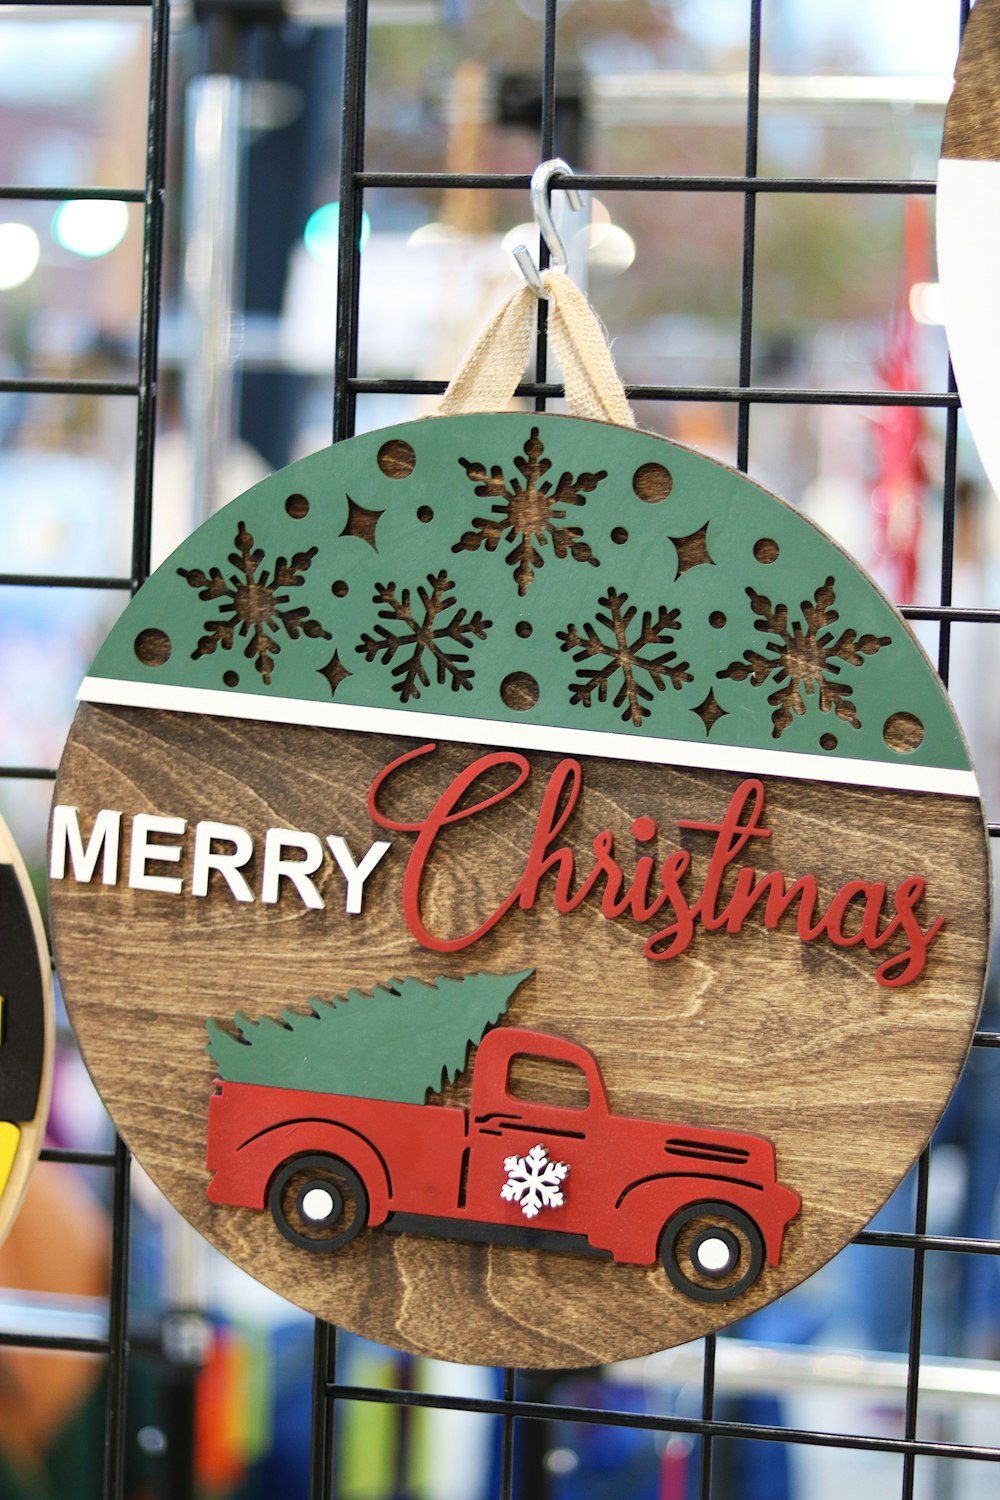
712, 1252
318, 1202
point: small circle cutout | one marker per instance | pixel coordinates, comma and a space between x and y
153, 647
519, 692
396, 459
523, 629
619, 536
652, 483
231, 679
766, 550
339, 588
297, 507
903, 733
425, 514
717, 619
828, 742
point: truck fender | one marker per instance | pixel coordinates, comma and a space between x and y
266, 1152
643, 1209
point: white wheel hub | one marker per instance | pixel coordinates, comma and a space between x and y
317, 1204
713, 1256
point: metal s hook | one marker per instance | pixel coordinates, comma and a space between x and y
541, 207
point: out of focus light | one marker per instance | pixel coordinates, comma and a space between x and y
927, 303
90, 227
322, 233
434, 233
609, 248
561, 1461
599, 216
19, 253
613, 252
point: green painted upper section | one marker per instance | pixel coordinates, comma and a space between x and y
470, 577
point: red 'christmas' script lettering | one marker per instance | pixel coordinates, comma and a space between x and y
653, 889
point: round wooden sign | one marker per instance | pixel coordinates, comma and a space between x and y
27, 1029
968, 229
521, 891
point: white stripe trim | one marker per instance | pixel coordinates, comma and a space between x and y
525, 736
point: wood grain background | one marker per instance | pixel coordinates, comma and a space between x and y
972, 120
753, 1032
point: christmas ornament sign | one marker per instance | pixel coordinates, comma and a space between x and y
520, 889
968, 229
26, 1030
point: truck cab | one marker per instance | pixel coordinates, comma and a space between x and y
625, 1178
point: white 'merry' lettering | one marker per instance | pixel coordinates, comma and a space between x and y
289, 860
298, 871
228, 864
354, 874
142, 851
104, 836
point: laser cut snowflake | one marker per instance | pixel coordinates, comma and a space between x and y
529, 514
253, 603
624, 656
534, 1181
804, 660
425, 636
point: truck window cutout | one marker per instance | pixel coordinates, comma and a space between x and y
543, 1080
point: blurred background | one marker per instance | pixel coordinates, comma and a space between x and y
820, 293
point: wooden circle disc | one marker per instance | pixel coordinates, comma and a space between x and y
968, 228
27, 1030
521, 891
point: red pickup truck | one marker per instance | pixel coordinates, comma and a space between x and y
506, 1171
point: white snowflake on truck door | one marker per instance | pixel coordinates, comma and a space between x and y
534, 1181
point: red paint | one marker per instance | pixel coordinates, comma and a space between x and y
625, 1177
445, 812
855, 915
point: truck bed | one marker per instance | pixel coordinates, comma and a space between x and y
420, 1145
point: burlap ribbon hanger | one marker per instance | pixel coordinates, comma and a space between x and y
491, 370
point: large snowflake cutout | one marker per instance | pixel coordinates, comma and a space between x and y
534, 1181
804, 660
428, 636
253, 604
530, 513
624, 656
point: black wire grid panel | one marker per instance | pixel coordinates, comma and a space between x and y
143, 392
517, 1407
512, 1408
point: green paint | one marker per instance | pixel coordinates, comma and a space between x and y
499, 552
402, 1042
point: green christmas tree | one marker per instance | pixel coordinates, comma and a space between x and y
403, 1041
